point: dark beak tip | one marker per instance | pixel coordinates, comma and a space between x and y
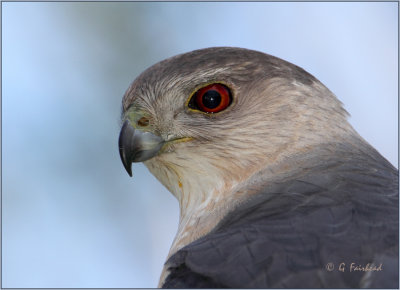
125, 162
129, 170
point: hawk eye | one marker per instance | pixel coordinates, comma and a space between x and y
211, 99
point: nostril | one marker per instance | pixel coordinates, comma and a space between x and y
143, 122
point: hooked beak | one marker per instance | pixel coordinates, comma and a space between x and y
137, 146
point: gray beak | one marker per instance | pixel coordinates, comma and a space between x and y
137, 146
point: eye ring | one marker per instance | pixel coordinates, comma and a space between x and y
211, 99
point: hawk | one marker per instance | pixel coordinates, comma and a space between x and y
275, 187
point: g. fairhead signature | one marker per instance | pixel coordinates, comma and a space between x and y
354, 267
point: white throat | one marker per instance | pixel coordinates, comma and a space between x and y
200, 199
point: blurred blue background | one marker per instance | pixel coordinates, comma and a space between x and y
71, 216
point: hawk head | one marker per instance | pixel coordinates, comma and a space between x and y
208, 122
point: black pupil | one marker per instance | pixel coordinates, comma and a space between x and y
211, 99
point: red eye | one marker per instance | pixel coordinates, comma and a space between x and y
211, 99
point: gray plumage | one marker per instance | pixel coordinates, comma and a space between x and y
275, 190
339, 208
